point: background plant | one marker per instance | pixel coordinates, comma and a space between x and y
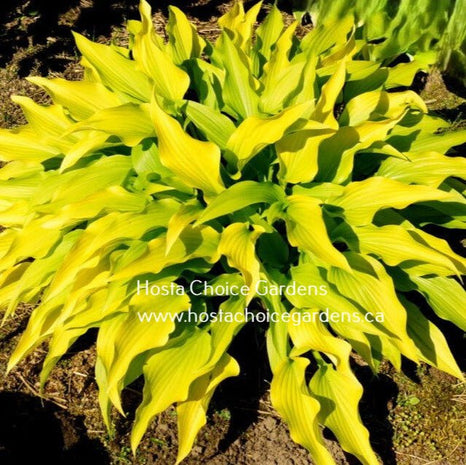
258, 157
435, 31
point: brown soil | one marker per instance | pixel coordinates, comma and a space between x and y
415, 418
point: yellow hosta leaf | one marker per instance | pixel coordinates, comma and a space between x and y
446, 297
113, 198
378, 104
241, 195
291, 398
215, 125
267, 35
339, 393
38, 274
306, 230
168, 375
184, 42
322, 37
195, 162
170, 81
431, 343
394, 245
239, 90
192, 243
192, 412
328, 97
369, 285
23, 145
47, 120
329, 298
239, 24
255, 133
133, 337
112, 229
280, 77
361, 200
298, 153
307, 336
81, 98
429, 168
130, 122
180, 220
238, 245
117, 72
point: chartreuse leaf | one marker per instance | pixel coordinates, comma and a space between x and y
369, 284
191, 243
170, 81
306, 230
130, 122
446, 297
276, 71
133, 337
431, 343
180, 220
195, 162
331, 385
429, 168
168, 375
183, 40
238, 24
101, 304
38, 274
217, 127
239, 89
313, 335
238, 245
22, 145
50, 122
191, 414
322, 38
394, 245
328, 97
377, 104
82, 99
298, 152
208, 81
117, 72
255, 133
267, 35
361, 200
241, 195
291, 398
338, 393
327, 296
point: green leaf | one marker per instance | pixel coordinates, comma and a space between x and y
241, 195
217, 127
361, 200
115, 71
446, 297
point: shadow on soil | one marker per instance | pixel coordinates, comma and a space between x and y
241, 395
35, 431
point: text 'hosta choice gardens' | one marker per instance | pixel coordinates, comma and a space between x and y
292, 173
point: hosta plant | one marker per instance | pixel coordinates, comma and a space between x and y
282, 170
